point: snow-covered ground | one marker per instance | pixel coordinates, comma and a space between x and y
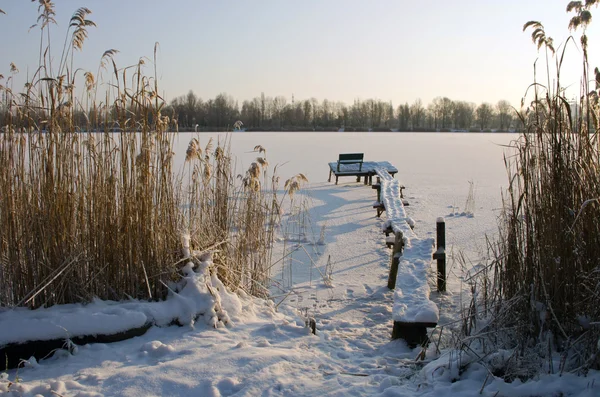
337, 274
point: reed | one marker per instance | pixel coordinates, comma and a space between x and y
545, 279
89, 213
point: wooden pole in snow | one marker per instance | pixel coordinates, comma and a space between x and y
440, 254
396, 253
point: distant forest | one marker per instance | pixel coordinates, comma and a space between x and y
265, 113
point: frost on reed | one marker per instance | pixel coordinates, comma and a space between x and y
86, 212
540, 298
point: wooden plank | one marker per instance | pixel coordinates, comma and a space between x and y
415, 334
351, 156
380, 208
13, 353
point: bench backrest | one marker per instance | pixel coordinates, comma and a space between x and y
351, 158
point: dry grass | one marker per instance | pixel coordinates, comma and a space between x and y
102, 214
539, 297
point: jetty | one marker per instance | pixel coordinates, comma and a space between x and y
410, 263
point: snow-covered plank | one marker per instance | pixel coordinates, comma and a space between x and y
390, 197
383, 174
67, 321
411, 295
412, 306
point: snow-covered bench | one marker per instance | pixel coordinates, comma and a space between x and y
364, 169
413, 312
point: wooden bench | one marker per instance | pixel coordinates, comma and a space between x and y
353, 164
351, 158
348, 159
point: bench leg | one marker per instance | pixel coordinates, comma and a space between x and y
329, 180
336, 179
358, 179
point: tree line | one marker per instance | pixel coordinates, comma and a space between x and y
278, 113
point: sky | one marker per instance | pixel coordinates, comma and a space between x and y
342, 50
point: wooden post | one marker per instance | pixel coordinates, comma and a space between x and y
440, 254
396, 253
378, 205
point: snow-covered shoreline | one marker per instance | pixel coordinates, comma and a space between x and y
267, 350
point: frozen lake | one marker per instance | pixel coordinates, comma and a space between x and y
436, 168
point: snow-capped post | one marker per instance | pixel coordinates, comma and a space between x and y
378, 204
440, 254
396, 253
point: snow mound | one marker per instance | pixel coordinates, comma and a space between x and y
199, 295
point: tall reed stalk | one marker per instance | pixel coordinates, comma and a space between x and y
548, 259
103, 214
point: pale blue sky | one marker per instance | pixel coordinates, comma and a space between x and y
395, 50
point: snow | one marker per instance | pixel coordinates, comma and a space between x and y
395, 213
411, 296
243, 346
67, 321
190, 300
367, 166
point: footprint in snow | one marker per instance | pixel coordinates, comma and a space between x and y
156, 349
262, 342
228, 386
242, 345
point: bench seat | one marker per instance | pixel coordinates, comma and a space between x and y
367, 169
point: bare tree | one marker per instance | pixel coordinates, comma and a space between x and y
462, 114
445, 108
279, 103
504, 114
308, 114
404, 117
435, 108
416, 112
485, 113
